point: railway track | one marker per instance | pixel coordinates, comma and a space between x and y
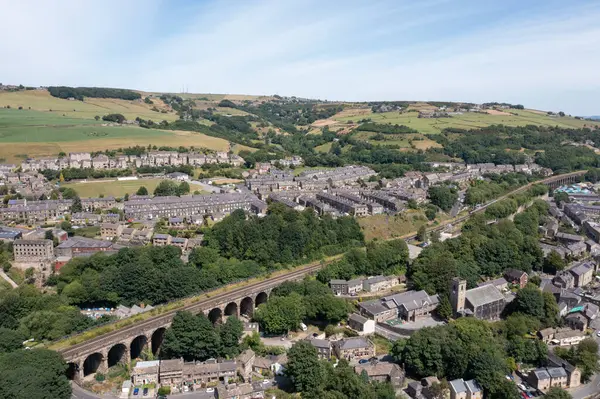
196, 307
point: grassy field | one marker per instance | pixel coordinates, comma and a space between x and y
41, 100
386, 227
323, 148
116, 188
236, 148
468, 120
37, 134
401, 140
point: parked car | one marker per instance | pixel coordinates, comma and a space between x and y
523, 395
145, 391
522, 387
136, 391
363, 361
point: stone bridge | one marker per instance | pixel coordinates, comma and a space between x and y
122, 345
560, 180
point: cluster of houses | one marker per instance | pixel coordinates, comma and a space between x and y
370, 284
486, 302
428, 388
318, 179
29, 184
236, 378
459, 173
192, 206
85, 160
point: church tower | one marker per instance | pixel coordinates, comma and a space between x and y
458, 290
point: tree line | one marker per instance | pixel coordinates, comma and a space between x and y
95, 92
380, 258
481, 250
385, 128
284, 236
504, 145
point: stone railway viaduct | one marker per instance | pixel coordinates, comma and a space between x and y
120, 346
102, 352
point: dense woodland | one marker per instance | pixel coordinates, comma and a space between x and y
481, 250
502, 145
482, 191
380, 258
79, 93
194, 337
385, 128
284, 236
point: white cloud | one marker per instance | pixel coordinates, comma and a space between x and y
336, 50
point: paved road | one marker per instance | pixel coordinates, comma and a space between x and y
8, 279
391, 335
80, 393
458, 204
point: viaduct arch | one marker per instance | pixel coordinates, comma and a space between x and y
108, 353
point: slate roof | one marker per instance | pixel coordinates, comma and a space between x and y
411, 300
85, 242
458, 385
354, 343
581, 269
473, 386
320, 343
556, 372
358, 318
541, 374
483, 295
374, 307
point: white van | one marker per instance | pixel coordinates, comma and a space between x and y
303, 327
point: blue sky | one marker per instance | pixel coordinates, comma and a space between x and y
543, 54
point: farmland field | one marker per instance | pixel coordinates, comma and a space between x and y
115, 188
419, 141
41, 100
468, 120
37, 134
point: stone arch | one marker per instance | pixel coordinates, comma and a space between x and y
72, 370
157, 339
247, 306
215, 315
232, 309
117, 354
137, 346
261, 298
92, 363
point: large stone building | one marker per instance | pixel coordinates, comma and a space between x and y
81, 246
409, 306
583, 273
383, 372
354, 348
33, 251
485, 302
